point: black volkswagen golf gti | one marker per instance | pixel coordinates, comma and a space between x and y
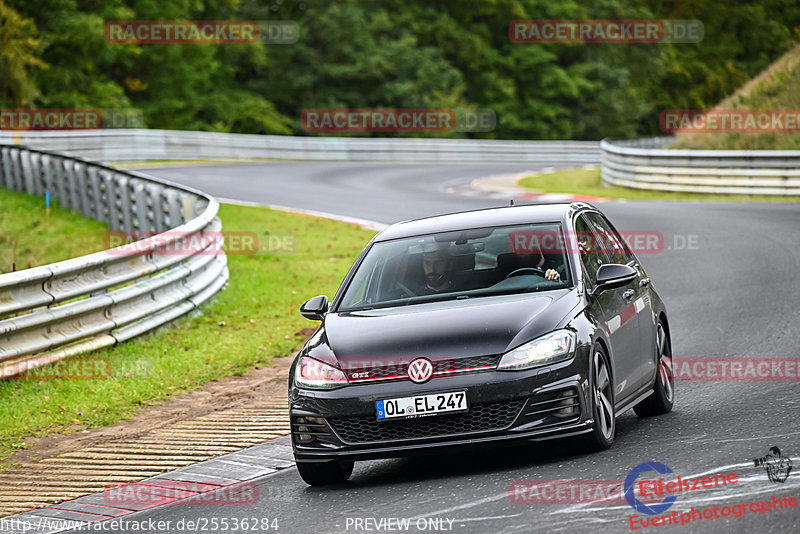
524, 322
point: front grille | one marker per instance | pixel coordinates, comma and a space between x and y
400, 369
480, 418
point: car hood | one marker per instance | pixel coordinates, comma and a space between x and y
448, 329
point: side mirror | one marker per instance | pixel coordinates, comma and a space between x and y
314, 308
613, 275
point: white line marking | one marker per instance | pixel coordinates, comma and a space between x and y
364, 223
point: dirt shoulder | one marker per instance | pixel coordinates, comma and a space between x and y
262, 383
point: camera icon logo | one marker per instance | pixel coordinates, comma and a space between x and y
777, 466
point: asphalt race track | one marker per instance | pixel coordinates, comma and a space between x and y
730, 276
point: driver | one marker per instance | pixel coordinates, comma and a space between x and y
536, 261
438, 266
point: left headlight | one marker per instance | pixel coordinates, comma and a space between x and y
551, 348
314, 374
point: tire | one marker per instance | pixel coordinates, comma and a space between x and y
663, 397
324, 473
603, 411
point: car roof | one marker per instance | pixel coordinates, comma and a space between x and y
503, 216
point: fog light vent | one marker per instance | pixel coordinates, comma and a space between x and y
568, 404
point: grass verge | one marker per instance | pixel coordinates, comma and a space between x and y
773, 89
28, 238
588, 182
253, 320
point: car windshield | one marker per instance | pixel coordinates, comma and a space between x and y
459, 265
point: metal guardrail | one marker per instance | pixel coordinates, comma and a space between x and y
645, 164
640, 163
50, 312
138, 145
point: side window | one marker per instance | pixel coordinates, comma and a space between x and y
592, 254
610, 239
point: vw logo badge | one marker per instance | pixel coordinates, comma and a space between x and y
420, 370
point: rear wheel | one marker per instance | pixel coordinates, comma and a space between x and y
320, 474
602, 435
663, 397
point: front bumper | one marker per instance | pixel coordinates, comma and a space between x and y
503, 406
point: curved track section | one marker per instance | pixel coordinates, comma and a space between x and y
729, 276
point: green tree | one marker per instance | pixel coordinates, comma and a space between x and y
17, 57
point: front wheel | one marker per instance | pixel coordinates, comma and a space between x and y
663, 397
604, 414
323, 473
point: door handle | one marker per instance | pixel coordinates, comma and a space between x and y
629, 294
644, 282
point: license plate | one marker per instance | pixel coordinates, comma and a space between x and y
422, 405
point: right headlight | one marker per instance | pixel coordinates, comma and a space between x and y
314, 374
550, 348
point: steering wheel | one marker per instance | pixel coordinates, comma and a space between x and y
525, 270
405, 290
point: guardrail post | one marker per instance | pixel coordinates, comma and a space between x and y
17, 183
126, 204
141, 221
73, 186
5, 168
47, 174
